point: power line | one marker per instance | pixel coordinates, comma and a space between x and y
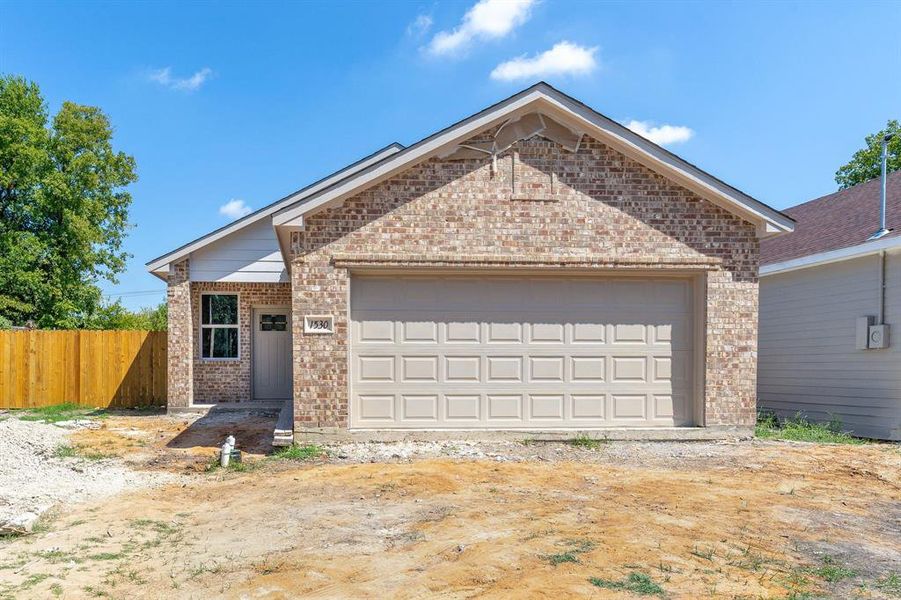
136, 293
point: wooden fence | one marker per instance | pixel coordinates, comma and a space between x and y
90, 368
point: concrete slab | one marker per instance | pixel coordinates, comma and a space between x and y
283, 435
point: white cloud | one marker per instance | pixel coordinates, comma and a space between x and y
187, 84
564, 58
663, 135
235, 209
487, 19
419, 26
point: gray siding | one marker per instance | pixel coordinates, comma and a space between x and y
250, 254
807, 356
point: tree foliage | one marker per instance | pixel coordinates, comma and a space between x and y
866, 164
63, 207
116, 316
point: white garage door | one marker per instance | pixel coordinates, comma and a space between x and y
520, 353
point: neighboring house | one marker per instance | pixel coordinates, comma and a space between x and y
816, 284
536, 266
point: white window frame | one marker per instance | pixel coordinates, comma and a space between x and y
201, 327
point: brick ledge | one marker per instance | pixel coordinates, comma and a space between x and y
369, 260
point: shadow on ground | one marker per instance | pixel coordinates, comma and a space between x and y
252, 430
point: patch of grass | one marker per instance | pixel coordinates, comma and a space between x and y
107, 556
797, 585
571, 554
833, 571
636, 582
800, 429
58, 556
561, 557
66, 451
56, 589
889, 585
62, 412
161, 527
204, 568
705, 553
299, 452
586, 442
233, 465
95, 591
33, 580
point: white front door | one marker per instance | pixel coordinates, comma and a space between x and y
271, 353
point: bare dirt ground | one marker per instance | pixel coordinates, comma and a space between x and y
466, 519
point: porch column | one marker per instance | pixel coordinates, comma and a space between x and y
180, 337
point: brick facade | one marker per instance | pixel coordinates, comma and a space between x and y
180, 354
193, 380
230, 380
542, 207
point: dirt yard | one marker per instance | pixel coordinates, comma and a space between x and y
461, 520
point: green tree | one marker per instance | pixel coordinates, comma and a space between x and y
63, 207
116, 316
866, 164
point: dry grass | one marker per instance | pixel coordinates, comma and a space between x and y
759, 519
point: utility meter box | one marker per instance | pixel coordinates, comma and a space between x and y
862, 339
878, 337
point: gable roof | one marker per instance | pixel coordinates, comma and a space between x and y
546, 99
288, 213
841, 220
158, 266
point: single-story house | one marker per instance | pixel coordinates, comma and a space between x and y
830, 299
535, 266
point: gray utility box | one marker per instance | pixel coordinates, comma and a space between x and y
870, 336
879, 335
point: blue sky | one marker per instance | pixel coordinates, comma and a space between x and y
251, 101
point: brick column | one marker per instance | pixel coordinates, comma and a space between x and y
181, 337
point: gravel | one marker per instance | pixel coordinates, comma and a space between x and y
640, 454
33, 479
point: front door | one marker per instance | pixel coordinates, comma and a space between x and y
271, 353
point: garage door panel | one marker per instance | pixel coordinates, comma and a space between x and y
504, 368
419, 332
376, 407
504, 407
546, 333
463, 407
419, 369
504, 333
420, 407
546, 368
589, 333
552, 358
462, 332
463, 369
371, 331
376, 368
591, 407
588, 368
546, 407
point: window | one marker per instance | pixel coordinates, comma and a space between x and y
219, 325
273, 323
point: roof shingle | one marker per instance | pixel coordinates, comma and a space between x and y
840, 220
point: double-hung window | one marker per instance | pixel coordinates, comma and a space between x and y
219, 326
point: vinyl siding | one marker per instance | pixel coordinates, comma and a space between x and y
808, 362
248, 255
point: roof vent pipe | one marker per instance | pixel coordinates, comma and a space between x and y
883, 230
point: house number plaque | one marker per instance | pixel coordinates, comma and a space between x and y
319, 324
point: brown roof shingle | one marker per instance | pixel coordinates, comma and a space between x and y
840, 220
